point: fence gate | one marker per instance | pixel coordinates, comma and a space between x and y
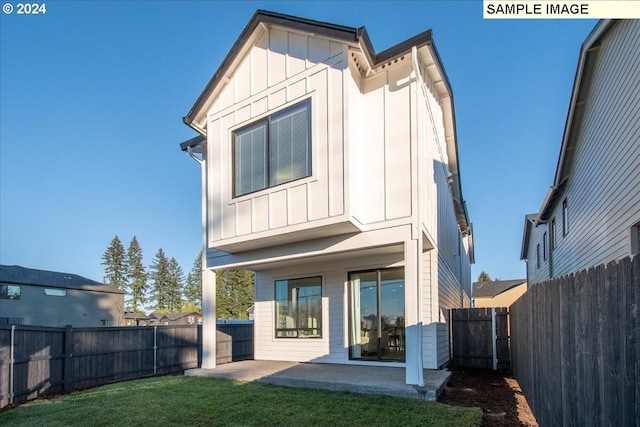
480, 338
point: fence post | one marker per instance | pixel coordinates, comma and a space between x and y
155, 350
68, 354
11, 363
494, 337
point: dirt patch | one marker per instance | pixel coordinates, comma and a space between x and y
496, 392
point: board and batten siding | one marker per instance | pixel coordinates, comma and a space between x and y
380, 167
603, 188
297, 68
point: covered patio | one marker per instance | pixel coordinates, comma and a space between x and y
383, 380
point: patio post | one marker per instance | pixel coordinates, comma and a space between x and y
413, 333
209, 329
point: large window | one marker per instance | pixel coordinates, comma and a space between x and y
299, 308
9, 292
273, 151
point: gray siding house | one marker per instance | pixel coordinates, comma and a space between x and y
48, 298
591, 214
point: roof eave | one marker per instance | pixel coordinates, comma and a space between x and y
263, 17
584, 74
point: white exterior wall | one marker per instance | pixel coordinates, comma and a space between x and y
333, 347
603, 187
297, 67
380, 168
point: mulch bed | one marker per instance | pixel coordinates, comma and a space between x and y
496, 392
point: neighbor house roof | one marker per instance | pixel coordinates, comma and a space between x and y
495, 287
529, 220
174, 316
584, 74
30, 276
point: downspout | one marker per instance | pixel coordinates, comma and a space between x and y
418, 232
194, 157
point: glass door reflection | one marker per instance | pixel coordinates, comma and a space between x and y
376, 315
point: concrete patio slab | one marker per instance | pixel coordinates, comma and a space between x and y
354, 378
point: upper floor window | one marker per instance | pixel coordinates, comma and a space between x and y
544, 246
55, 292
565, 218
538, 255
299, 308
553, 234
273, 151
9, 292
12, 320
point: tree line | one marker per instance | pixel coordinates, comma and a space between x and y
164, 287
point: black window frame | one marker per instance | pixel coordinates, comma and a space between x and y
4, 292
298, 331
565, 218
268, 166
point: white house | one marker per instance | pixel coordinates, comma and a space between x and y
591, 214
332, 172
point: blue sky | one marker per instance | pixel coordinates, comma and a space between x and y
92, 96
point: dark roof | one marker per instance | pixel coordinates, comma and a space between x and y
340, 32
30, 276
495, 287
134, 315
174, 316
529, 220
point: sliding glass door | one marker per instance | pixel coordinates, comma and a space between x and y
376, 315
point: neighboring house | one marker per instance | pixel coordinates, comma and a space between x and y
132, 318
498, 293
591, 214
186, 318
48, 298
332, 172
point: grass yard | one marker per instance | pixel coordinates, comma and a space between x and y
194, 401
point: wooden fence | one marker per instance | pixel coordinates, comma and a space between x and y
576, 348
480, 338
38, 360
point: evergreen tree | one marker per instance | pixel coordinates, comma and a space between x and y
484, 277
137, 277
234, 293
115, 269
193, 287
176, 285
161, 278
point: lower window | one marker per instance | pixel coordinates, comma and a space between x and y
299, 308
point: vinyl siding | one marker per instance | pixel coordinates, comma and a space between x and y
603, 188
79, 308
450, 295
540, 273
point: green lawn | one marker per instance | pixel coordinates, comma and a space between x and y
193, 401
